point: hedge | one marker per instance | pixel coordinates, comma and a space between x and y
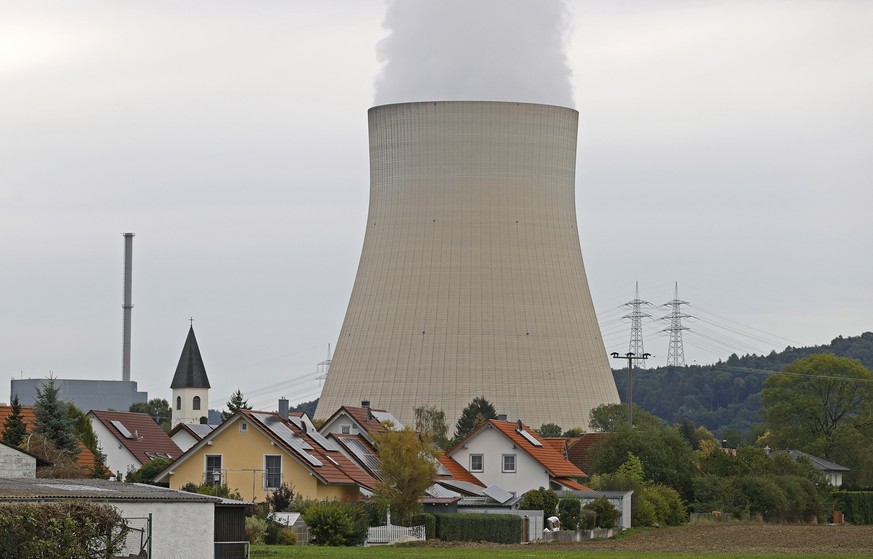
426, 520
856, 506
72, 529
479, 527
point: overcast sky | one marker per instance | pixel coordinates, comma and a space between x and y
724, 145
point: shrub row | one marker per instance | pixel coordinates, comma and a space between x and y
75, 529
857, 506
426, 520
475, 527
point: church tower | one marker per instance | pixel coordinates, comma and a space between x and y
190, 385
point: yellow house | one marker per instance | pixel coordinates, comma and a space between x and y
255, 452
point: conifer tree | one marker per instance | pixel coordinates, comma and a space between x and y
475, 414
14, 428
235, 403
52, 418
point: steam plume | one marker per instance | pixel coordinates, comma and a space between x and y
475, 50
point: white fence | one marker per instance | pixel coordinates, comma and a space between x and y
389, 534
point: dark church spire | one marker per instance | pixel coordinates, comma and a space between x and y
190, 372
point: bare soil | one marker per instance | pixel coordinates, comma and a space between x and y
737, 538
745, 538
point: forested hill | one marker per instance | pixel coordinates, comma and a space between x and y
725, 397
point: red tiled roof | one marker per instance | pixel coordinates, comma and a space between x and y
553, 461
362, 417
84, 460
570, 484
335, 468
457, 471
150, 441
559, 444
579, 449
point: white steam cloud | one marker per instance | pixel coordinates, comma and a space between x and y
475, 50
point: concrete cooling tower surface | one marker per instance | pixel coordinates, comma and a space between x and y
471, 281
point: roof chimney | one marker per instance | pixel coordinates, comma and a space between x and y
501, 417
365, 404
283, 408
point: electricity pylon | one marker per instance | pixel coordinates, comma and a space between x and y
636, 316
675, 352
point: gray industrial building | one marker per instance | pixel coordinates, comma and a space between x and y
84, 394
471, 280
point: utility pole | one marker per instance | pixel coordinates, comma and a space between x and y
630, 380
636, 316
676, 351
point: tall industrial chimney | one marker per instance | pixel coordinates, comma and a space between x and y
128, 304
471, 280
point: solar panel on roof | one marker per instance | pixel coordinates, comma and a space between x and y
384, 416
362, 454
286, 435
497, 493
323, 441
531, 439
122, 429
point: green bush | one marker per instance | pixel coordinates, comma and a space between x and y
256, 530
542, 499
856, 506
588, 520
668, 504
279, 534
476, 527
426, 520
606, 513
75, 529
335, 523
569, 510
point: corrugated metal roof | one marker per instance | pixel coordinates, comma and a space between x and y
29, 489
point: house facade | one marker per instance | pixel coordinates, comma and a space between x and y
129, 440
511, 456
256, 452
180, 520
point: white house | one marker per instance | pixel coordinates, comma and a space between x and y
510, 455
186, 435
16, 463
183, 524
130, 440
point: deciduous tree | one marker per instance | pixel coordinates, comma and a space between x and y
822, 405
550, 430
608, 417
158, 409
431, 421
407, 468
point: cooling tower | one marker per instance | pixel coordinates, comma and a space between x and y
471, 279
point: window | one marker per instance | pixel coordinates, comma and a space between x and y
509, 463
346, 429
178, 402
243, 427
196, 404
272, 472
477, 462
213, 468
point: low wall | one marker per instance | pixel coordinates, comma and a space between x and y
579, 535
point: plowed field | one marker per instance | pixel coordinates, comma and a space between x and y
745, 538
